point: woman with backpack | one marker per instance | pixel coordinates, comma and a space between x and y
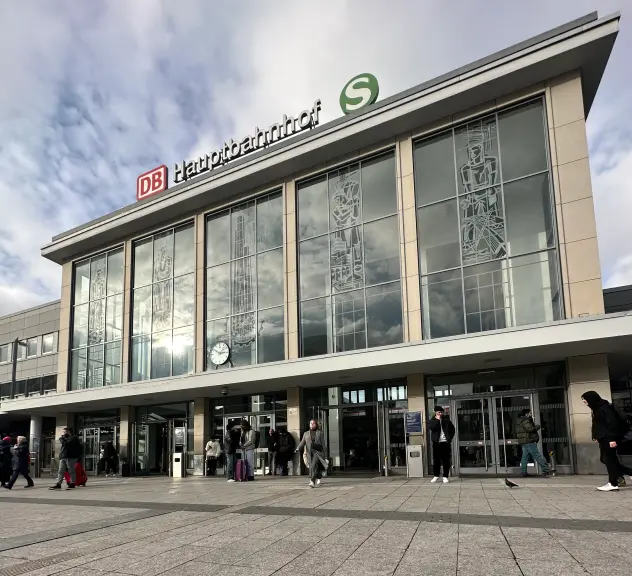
608, 429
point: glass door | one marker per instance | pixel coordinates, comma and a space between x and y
141, 449
508, 410
91, 452
262, 423
473, 438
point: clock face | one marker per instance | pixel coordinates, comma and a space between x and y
220, 353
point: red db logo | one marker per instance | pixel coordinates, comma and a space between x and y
151, 182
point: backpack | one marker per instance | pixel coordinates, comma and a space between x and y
257, 438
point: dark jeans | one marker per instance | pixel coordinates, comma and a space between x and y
5, 474
230, 466
441, 452
315, 466
16, 473
212, 466
610, 458
272, 463
531, 449
110, 465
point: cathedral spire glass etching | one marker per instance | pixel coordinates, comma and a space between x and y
486, 227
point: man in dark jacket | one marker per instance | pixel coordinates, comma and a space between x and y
528, 438
607, 430
6, 460
286, 450
20, 464
273, 452
69, 454
441, 434
231, 443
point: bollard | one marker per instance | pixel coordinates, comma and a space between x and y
552, 463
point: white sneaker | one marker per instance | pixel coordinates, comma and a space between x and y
230, 480
311, 484
608, 488
318, 482
445, 480
434, 479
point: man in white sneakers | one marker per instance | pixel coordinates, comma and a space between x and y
441, 434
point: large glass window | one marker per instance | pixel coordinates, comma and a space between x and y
163, 312
350, 293
244, 281
97, 319
486, 228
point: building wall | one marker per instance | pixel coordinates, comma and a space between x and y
34, 322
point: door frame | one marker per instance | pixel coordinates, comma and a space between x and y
262, 462
493, 440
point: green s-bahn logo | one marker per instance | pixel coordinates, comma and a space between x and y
360, 91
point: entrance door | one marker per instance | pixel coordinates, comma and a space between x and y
383, 438
486, 433
176, 442
91, 451
261, 423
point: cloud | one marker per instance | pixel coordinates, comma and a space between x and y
97, 93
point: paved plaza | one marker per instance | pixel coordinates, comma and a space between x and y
346, 527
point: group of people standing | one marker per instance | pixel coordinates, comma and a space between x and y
281, 447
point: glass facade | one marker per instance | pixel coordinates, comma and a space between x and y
348, 259
244, 281
486, 225
163, 315
97, 321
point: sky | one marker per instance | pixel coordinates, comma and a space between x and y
94, 94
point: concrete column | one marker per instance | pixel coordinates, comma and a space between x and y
290, 271
35, 431
294, 424
574, 207
63, 340
416, 389
586, 373
127, 415
200, 433
408, 254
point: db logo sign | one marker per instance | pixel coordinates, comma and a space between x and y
151, 182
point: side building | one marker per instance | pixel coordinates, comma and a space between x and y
437, 247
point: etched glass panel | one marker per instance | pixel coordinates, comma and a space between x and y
112, 363
347, 259
97, 277
269, 222
243, 274
477, 155
243, 338
271, 342
114, 318
344, 198
116, 266
162, 305
349, 325
312, 208
96, 322
163, 256
487, 302
482, 226
95, 367
243, 231
142, 311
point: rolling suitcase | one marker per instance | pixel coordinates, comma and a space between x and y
80, 475
240, 471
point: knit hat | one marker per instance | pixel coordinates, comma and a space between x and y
438, 409
7, 439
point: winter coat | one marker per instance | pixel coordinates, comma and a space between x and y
213, 449
21, 456
528, 431
108, 450
286, 444
606, 424
70, 447
231, 441
248, 440
273, 442
6, 458
319, 442
435, 426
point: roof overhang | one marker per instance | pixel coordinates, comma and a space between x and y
486, 351
584, 44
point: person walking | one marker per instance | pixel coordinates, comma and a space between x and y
69, 454
231, 442
441, 434
213, 450
248, 444
314, 443
286, 449
6, 460
528, 438
110, 458
273, 452
20, 464
607, 431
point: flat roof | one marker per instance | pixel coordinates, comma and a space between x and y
583, 44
